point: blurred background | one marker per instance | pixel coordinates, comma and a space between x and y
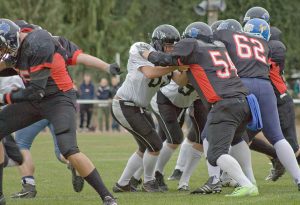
107, 28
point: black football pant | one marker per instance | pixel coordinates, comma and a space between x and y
88, 110
226, 122
198, 114
59, 109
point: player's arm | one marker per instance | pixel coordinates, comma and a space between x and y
180, 78
156, 71
277, 53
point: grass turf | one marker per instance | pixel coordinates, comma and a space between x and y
110, 152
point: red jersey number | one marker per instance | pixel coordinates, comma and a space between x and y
224, 61
246, 51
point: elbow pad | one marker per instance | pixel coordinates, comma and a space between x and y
20, 95
162, 59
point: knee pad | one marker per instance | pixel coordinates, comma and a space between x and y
154, 143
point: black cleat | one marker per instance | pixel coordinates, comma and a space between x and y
127, 188
209, 187
28, 191
161, 182
176, 175
77, 181
108, 200
276, 171
135, 183
2, 200
151, 186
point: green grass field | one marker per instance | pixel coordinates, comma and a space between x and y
110, 153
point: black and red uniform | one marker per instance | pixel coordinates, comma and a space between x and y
214, 77
49, 94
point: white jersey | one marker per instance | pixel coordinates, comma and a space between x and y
181, 97
137, 87
7, 84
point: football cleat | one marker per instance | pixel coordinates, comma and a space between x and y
135, 183
161, 182
77, 181
276, 171
127, 188
183, 188
176, 175
28, 191
244, 191
209, 187
108, 200
151, 186
227, 181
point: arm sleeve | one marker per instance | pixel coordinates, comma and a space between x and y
182, 50
71, 48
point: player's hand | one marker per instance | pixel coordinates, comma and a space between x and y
182, 68
10, 61
114, 69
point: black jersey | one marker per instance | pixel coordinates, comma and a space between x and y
42, 61
211, 72
71, 48
248, 53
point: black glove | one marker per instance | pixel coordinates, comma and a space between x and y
114, 69
10, 61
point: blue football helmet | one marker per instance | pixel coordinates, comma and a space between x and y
258, 27
198, 30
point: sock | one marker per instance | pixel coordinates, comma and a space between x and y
28, 180
164, 156
1, 179
182, 154
149, 162
205, 147
96, 182
228, 164
192, 160
261, 146
242, 154
138, 174
213, 170
133, 164
287, 158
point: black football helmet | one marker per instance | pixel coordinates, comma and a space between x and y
257, 12
164, 34
230, 24
199, 30
215, 25
9, 38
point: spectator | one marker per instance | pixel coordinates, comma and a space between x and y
86, 92
297, 88
103, 93
115, 85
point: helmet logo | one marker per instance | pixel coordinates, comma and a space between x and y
162, 34
262, 28
4, 28
248, 28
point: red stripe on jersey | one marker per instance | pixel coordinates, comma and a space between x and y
60, 74
73, 60
26, 30
8, 99
204, 83
276, 78
40, 67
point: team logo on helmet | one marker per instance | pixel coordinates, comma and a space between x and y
262, 28
4, 28
248, 28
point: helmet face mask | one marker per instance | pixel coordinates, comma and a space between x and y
164, 36
9, 38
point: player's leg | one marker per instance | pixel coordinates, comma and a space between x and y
89, 112
61, 112
140, 122
107, 114
26, 114
24, 139
168, 116
82, 113
195, 152
13, 155
271, 129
